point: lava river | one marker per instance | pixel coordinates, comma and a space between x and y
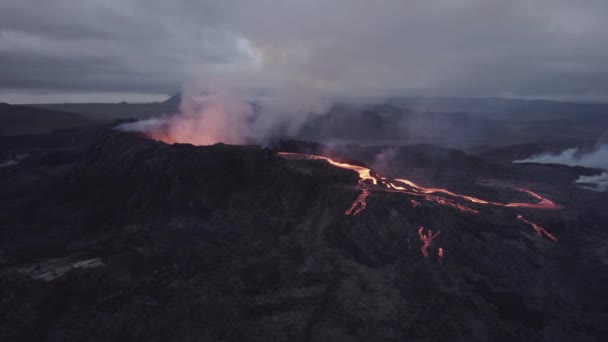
371, 181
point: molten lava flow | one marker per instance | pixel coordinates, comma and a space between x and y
451, 203
539, 230
359, 203
543, 204
365, 174
369, 180
427, 240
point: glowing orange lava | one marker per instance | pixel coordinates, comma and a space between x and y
369, 180
539, 230
543, 204
160, 135
427, 240
359, 204
372, 181
365, 174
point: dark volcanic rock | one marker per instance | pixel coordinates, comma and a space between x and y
140, 240
136, 177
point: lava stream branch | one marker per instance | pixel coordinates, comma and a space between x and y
369, 180
543, 204
359, 204
539, 230
427, 241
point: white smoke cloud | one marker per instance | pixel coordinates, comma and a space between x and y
572, 157
295, 57
203, 121
240, 103
596, 183
597, 158
384, 159
220, 112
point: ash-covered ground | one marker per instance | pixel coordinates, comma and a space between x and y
107, 235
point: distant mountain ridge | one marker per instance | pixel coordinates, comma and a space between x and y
454, 122
176, 99
19, 119
107, 112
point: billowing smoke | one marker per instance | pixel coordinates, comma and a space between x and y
384, 159
240, 107
271, 90
295, 60
598, 158
597, 182
566, 157
292, 58
203, 121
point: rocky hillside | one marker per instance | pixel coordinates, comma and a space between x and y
138, 240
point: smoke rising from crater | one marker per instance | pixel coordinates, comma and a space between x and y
238, 107
295, 57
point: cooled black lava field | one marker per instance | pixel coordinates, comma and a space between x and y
108, 235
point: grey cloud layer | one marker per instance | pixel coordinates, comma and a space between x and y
533, 48
142, 46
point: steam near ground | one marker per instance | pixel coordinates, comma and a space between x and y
297, 61
242, 105
295, 57
597, 158
598, 182
383, 160
213, 118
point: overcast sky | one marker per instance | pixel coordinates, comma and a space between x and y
143, 50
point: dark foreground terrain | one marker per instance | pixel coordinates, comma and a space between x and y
109, 236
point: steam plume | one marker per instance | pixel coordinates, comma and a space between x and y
598, 182
572, 157
598, 158
234, 109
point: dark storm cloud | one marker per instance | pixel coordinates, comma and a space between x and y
143, 46
533, 48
